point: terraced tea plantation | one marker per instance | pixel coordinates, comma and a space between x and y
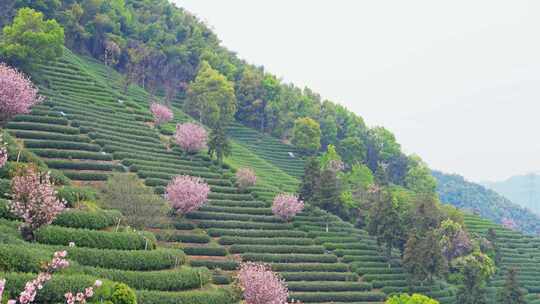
517, 251
89, 128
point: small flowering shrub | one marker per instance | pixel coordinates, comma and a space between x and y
186, 193
286, 206
260, 285
191, 137
161, 113
28, 295
34, 199
17, 93
3, 153
81, 297
245, 177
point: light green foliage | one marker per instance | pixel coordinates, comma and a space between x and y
329, 156
122, 294
384, 143
419, 178
408, 299
307, 134
352, 150
475, 268
211, 97
31, 39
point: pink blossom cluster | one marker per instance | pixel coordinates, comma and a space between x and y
161, 113
34, 198
245, 177
2, 286
187, 193
260, 285
508, 223
81, 297
28, 295
17, 93
191, 137
3, 153
286, 206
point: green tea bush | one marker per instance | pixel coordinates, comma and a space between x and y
87, 219
211, 296
55, 235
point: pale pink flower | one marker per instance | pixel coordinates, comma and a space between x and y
191, 137
245, 177
2, 286
17, 93
161, 113
286, 206
34, 198
3, 153
260, 285
187, 193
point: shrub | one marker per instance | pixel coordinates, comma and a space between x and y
276, 249
212, 264
122, 294
87, 219
210, 296
171, 236
139, 205
206, 251
245, 177
55, 235
161, 113
290, 258
72, 195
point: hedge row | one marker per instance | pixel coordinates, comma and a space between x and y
290, 258
214, 264
62, 145
54, 290
48, 136
319, 276
200, 215
56, 235
172, 236
233, 204
216, 232
42, 127
74, 218
212, 296
313, 267
243, 225
276, 249
338, 296
63, 164
230, 240
72, 154
86, 176
169, 280
206, 251
248, 209
328, 286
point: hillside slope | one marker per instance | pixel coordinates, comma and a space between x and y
88, 129
455, 190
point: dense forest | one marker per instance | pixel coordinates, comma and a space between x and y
455, 190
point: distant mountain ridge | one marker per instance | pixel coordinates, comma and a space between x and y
523, 190
456, 190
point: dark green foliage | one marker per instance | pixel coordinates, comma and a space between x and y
171, 236
74, 218
73, 195
511, 293
223, 265
206, 251
211, 296
310, 187
340, 296
218, 144
55, 235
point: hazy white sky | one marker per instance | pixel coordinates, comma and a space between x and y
458, 82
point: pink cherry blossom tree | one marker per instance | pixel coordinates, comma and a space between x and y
260, 285
191, 137
81, 297
34, 199
162, 114
17, 93
286, 206
245, 177
187, 193
3, 153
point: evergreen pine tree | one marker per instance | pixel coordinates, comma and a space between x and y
511, 293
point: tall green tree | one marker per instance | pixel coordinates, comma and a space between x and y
423, 259
511, 293
311, 181
307, 135
218, 144
476, 268
211, 97
31, 39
